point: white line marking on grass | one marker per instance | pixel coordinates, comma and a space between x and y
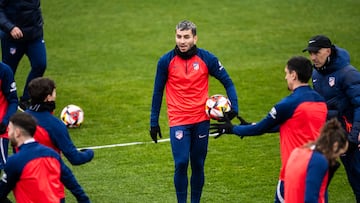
128, 144
122, 144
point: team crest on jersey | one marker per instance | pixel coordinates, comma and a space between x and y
179, 134
196, 66
331, 81
12, 51
273, 113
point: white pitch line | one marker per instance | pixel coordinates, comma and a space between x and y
128, 144
122, 144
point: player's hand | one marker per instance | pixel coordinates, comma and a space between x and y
221, 128
228, 116
3, 128
89, 151
154, 132
16, 33
243, 121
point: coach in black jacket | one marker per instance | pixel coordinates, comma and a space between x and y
21, 32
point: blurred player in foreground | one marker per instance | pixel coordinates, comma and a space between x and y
310, 168
51, 131
184, 71
339, 83
8, 106
35, 172
298, 117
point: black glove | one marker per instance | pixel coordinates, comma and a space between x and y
243, 121
154, 132
221, 128
228, 116
3, 128
226, 128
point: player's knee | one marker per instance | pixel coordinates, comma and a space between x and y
181, 165
38, 65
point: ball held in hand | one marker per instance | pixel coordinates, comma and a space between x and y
216, 106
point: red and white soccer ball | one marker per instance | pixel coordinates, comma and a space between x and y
216, 106
72, 116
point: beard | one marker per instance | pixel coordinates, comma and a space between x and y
13, 142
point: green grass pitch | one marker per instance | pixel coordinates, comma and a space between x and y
103, 56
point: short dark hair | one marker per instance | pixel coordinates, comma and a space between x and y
186, 25
39, 88
302, 66
24, 121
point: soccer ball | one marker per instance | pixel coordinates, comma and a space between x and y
72, 116
216, 106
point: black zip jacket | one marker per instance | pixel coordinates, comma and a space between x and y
25, 14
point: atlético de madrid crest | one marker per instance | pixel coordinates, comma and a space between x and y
331, 81
196, 66
179, 134
12, 51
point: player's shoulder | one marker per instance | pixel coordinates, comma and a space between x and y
44, 150
48, 120
165, 59
349, 71
4, 65
306, 94
287, 104
58, 123
205, 53
4, 68
209, 58
318, 159
168, 55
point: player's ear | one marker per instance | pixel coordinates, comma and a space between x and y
48, 98
17, 132
294, 75
51, 97
195, 39
335, 147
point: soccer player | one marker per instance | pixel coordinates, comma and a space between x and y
35, 172
184, 71
21, 32
339, 83
8, 106
51, 131
298, 117
310, 168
